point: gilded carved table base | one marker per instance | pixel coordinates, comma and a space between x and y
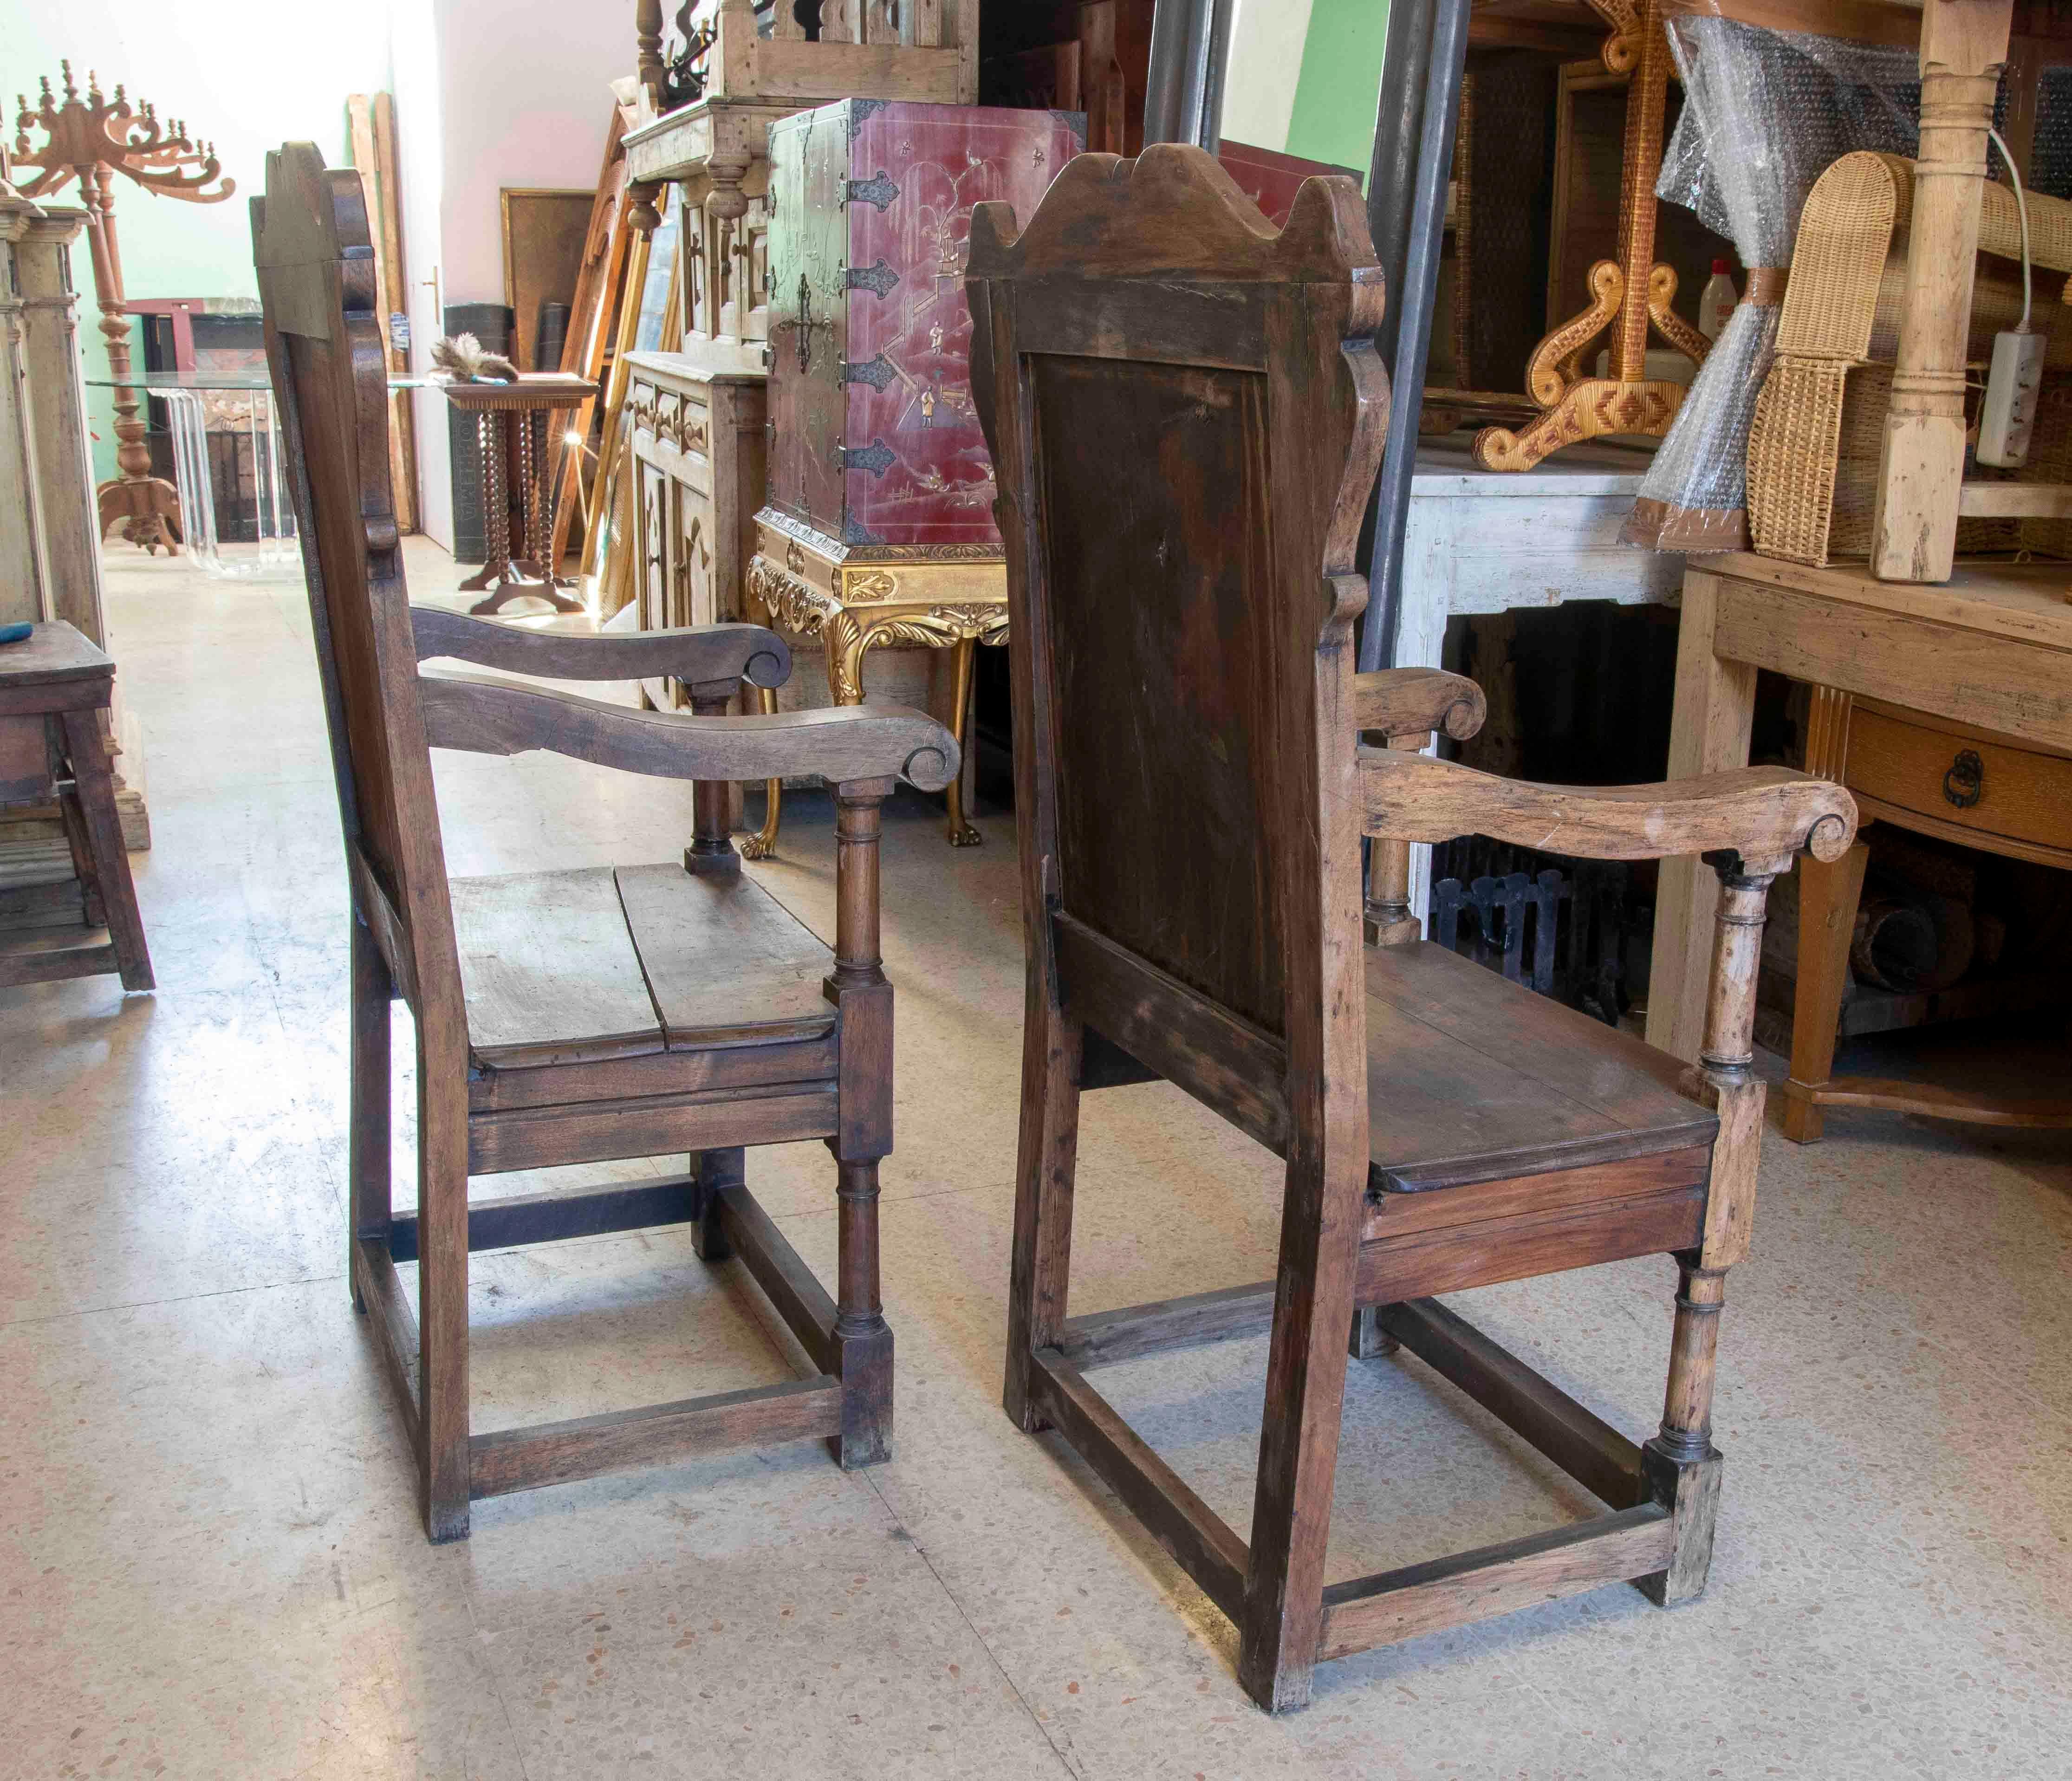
880, 606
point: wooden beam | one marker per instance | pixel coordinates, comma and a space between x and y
1493, 1579
367, 121
559, 1452
791, 1286
1897, 25
1454, 1258
545, 1137
1106, 1337
1586, 1447
1201, 1542
395, 1330
554, 1217
2015, 501
1921, 467
46, 965
1179, 1033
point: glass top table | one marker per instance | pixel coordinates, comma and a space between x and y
159, 383
234, 408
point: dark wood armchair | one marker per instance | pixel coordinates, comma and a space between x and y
1186, 414
577, 1016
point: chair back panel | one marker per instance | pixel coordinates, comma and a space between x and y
315, 263
1186, 417
1162, 657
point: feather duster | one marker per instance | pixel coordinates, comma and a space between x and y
467, 361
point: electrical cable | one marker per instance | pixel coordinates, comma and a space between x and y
2021, 206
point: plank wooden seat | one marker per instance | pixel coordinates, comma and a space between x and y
1467, 1081
578, 1016
1186, 417
613, 962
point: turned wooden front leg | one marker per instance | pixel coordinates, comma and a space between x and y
711, 852
1390, 920
862, 1342
1680, 1465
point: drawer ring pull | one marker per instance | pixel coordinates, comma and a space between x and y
1965, 784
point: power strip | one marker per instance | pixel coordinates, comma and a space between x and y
2008, 416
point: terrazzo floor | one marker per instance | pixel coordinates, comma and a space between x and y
211, 1563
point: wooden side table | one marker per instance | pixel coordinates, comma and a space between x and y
1935, 777
861, 597
1983, 664
55, 691
514, 423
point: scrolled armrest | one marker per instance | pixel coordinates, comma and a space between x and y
1760, 812
697, 655
842, 743
1404, 701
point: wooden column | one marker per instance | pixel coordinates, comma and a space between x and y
711, 852
1680, 1465
65, 463
862, 1342
24, 570
1708, 734
1964, 43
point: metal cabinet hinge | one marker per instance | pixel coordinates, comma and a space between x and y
879, 191
879, 280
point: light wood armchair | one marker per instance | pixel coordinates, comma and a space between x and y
577, 1016
1192, 796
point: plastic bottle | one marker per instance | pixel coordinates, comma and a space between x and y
1715, 302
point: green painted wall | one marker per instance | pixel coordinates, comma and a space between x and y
1341, 79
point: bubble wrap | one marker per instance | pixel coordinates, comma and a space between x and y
1764, 114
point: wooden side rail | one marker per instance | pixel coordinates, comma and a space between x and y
842, 743
555, 1217
697, 655
1541, 1567
1584, 1445
1414, 702
559, 1452
1204, 1545
1758, 812
789, 1285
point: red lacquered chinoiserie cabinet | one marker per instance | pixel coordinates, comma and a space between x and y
877, 529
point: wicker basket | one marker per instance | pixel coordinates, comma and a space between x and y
1818, 429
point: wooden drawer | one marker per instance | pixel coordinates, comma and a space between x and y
1958, 779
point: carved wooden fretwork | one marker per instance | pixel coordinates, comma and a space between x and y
1632, 290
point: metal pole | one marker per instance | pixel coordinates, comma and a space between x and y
1413, 299
1391, 179
1184, 88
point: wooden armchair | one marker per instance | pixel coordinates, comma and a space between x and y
576, 1016
1187, 413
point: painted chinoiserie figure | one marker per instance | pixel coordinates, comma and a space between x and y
879, 527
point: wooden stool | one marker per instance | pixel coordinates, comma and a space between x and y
1926, 774
53, 689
